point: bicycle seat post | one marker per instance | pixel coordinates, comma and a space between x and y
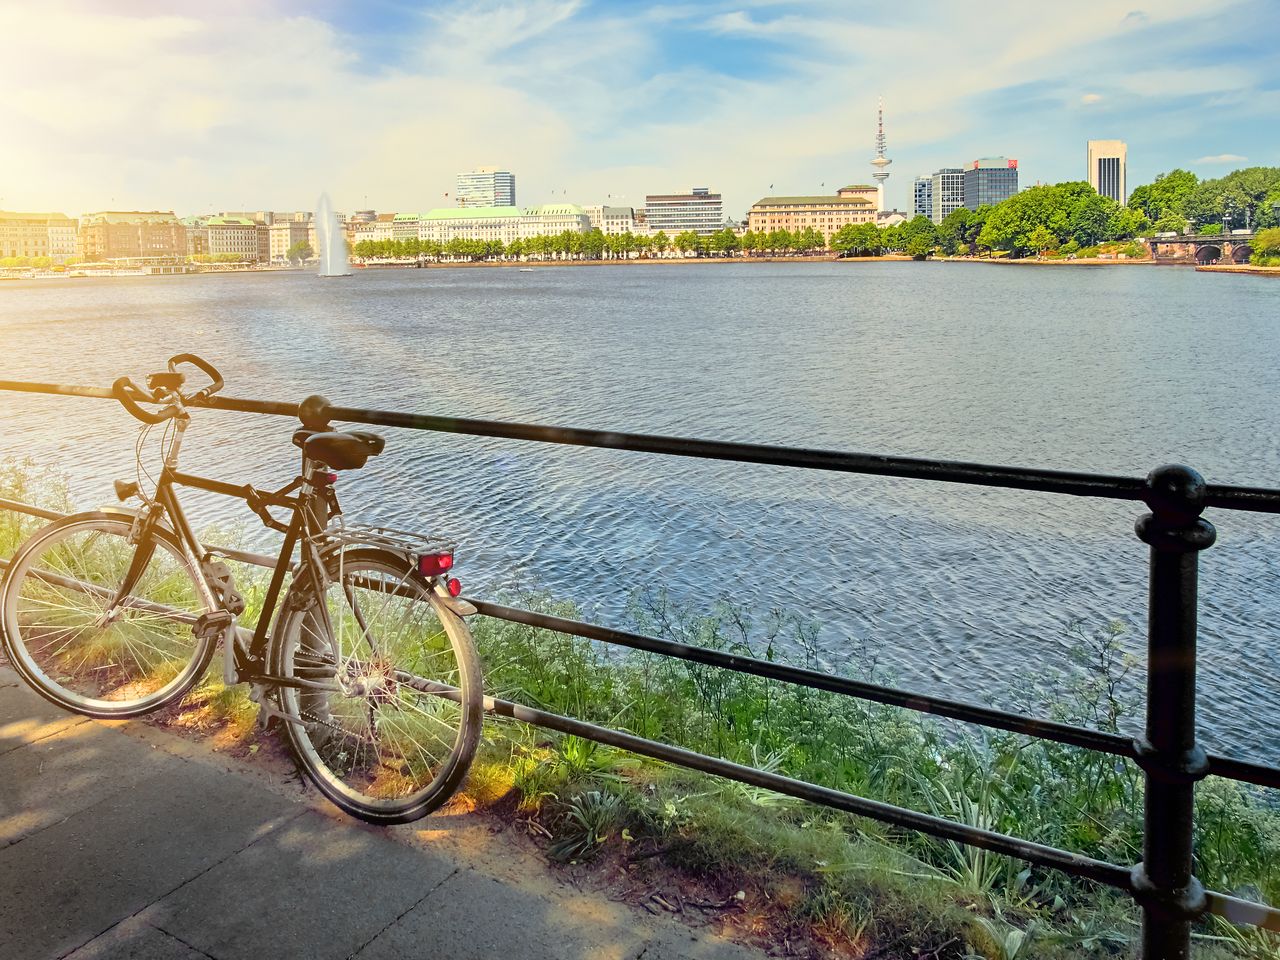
313, 413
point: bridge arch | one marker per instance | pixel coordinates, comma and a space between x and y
1240, 253
1208, 253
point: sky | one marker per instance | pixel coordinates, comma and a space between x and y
264, 104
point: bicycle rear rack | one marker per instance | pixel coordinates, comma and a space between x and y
402, 541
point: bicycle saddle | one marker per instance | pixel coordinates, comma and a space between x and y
339, 450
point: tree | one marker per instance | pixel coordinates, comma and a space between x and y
686, 242
661, 242
1266, 247
1167, 196
858, 239
301, 251
918, 236
1041, 240
1089, 221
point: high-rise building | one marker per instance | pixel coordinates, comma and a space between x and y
486, 187
946, 193
1107, 161
880, 161
700, 210
922, 197
989, 180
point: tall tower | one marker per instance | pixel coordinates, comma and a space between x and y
881, 161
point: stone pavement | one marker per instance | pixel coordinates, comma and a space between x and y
111, 847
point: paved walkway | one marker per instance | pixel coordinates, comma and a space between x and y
113, 847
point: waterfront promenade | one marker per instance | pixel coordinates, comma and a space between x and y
118, 840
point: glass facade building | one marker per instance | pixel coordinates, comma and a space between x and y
486, 187
989, 180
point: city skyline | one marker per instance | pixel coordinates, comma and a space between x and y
266, 105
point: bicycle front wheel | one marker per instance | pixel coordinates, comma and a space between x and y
382, 694
71, 641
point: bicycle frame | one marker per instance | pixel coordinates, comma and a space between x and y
309, 508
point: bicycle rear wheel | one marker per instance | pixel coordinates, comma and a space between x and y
67, 640
387, 711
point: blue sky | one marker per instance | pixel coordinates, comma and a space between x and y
264, 103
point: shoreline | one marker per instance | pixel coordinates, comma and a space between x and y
530, 265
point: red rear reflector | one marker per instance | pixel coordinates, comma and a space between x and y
434, 564
455, 586
331, 477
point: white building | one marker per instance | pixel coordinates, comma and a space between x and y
284, 234
700, 211
470, 223
1107, 161
234, 235
947, 193
552, 218
612, 220
485, 187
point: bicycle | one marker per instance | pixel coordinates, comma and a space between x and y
367, 663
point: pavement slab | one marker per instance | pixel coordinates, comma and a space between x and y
125, 841
314, 888
62, 773
135, 939
64, 885
473, 917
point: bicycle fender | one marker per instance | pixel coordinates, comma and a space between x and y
132, 513
455, 605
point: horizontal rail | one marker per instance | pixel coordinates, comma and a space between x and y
1101, 741
1253, 499
1115, 744
1081, 866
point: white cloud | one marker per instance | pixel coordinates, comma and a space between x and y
257, 106
1223, 158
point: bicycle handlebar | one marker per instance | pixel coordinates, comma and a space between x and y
129, 393
205, 367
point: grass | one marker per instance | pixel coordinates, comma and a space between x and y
859, 885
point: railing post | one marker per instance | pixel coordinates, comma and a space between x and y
1170, 895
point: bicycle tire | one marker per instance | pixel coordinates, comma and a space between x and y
56, 591
380, 749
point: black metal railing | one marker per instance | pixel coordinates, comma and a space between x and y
1172, 761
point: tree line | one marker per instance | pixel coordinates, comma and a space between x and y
1063, 219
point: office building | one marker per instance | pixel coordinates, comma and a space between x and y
1107, 161
284, 234
119, 234
922, 197
237, 236
470, 223
613, 221
485, 187
553, 218
989, 180
51, 235
826, 214
946, 193
699, 211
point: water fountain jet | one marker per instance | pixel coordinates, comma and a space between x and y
333, 245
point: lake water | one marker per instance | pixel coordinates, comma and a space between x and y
962, 591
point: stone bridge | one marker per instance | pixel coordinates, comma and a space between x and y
1190, 248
